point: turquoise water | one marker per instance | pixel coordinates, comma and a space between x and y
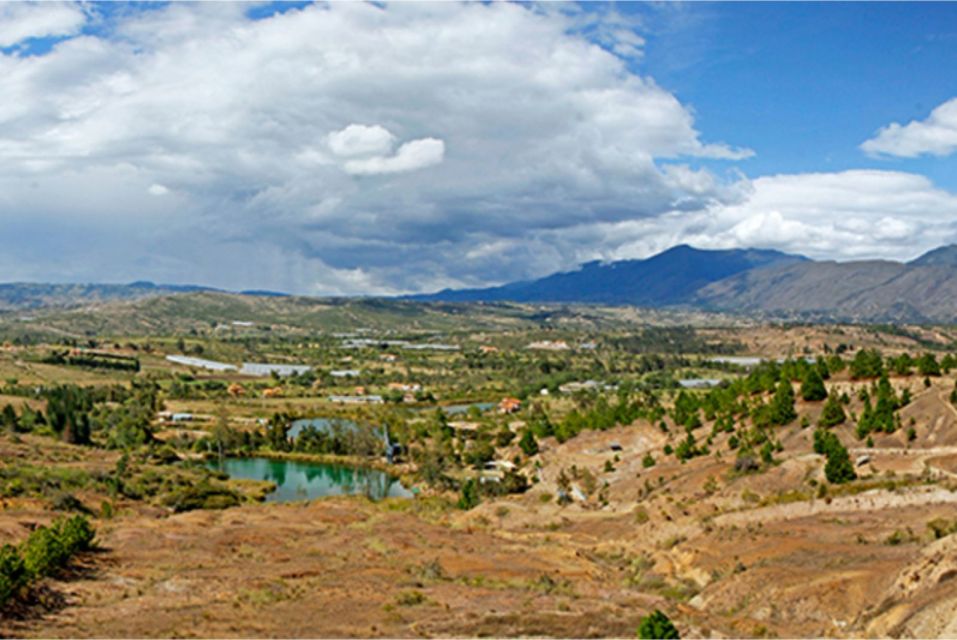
310, 480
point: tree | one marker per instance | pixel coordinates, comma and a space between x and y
812, 386
9, 418
470, 495
277, 432
782, 404
927, 365
528, 444
481, 451
867, 363
657, 625
68, 408
838, 468
833, 412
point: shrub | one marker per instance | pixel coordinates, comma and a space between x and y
528, 444
410, 598
201, 496
13, 573
657, 625
469, 497
76, 534
43, 552
941, 527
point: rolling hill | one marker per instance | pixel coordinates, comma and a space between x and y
20, 296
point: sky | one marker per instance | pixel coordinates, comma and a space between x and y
353, 148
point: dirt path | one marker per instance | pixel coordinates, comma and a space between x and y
870, 501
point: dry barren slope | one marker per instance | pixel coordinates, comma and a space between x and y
867, 290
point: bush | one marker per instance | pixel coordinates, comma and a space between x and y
201, 496
657, 625
528, 444
470, 495
77, 534
13, 573
43, 552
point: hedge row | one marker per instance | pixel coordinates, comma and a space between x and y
46, 550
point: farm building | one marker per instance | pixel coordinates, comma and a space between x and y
201, 363
267, 369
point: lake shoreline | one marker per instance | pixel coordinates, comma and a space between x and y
322, 463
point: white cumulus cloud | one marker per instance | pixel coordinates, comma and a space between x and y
20, 21
417, 154
846, 215
361, 140
937, 135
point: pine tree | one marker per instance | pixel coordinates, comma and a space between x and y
833, 412
812, 387
782, 404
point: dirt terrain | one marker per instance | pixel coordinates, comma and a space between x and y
724, 555
776, 551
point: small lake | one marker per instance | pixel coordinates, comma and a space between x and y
310, 480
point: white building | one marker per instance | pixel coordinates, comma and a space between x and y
201, 363
267, 369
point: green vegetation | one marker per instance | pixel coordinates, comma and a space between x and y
45, 551
833, 412
838, 468
879, 417
470, 495
867, 363
812, 386
657, 625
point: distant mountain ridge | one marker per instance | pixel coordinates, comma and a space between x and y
753, 282
668, 278
19, 296
758, 283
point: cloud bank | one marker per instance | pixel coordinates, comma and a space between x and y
354, 148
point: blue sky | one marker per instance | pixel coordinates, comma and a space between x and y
391, 148
804, 84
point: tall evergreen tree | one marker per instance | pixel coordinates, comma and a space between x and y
812, 386
833, 412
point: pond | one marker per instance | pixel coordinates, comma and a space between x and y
309, 480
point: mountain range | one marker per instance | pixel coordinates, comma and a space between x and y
762, 283
759, 283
